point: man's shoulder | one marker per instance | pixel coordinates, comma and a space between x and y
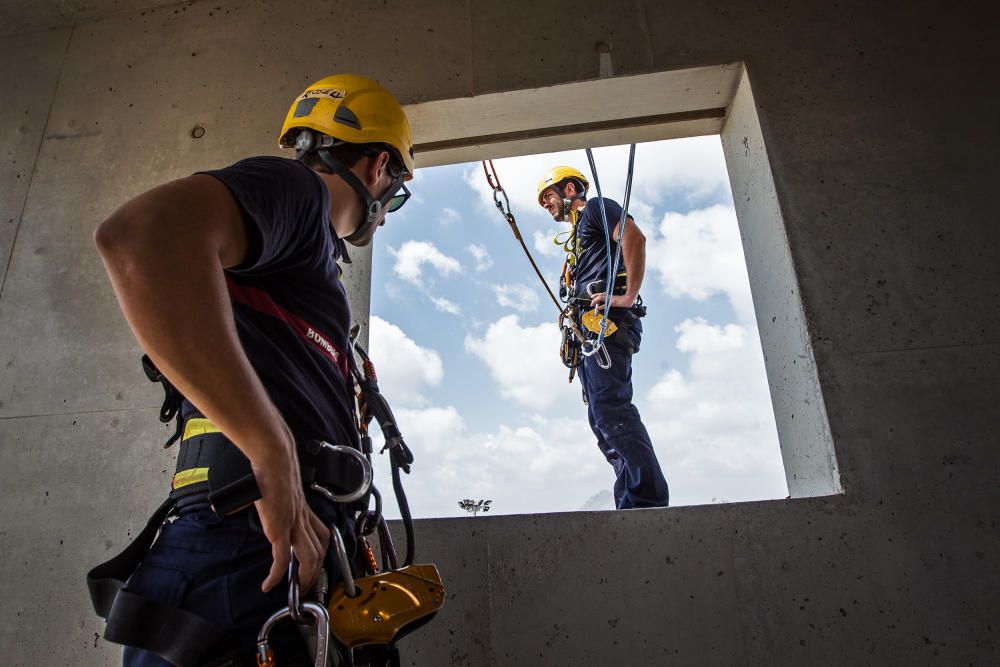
264, 176
262, 163
593, 207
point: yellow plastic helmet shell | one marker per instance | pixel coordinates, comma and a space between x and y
351, 108
557, 175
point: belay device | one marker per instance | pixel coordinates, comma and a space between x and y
365, 614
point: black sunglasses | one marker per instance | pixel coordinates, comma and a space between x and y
398, 200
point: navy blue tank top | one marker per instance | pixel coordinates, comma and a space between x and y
290, 307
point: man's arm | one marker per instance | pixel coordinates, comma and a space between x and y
634, 257
165, 252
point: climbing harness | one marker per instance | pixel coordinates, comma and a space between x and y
365, 615
576, 308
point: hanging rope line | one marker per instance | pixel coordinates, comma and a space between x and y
503, 205
590, 349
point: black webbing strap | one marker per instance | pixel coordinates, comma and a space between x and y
107, 579
177, 636
172, 399
231, 482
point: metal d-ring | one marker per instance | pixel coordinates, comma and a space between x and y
366, 481
343, 563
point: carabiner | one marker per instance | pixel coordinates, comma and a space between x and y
296, 610
366, 480
294, 604
589, 349
265, 656
343, 562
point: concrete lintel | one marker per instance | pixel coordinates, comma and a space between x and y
588, 113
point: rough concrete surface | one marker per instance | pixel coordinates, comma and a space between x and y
876, 121
797, 399
29, 69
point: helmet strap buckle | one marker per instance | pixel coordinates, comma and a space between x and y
374, 209
564, 207
308, 140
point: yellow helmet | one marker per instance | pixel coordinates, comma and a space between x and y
354, 109
559, 175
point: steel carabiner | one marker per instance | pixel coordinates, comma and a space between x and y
297, 611
265, 656
343, 562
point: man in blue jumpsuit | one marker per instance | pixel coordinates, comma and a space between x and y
614, 419
229, 280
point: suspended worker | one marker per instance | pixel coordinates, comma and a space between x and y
229, 281
607, 387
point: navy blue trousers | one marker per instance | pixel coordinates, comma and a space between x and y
621, 435
214, 566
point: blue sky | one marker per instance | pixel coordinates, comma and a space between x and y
465, 340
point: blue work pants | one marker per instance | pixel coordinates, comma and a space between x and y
621, 435
214, 566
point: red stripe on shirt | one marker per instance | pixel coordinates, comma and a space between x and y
261, 301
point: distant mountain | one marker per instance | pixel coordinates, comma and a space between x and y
602, 500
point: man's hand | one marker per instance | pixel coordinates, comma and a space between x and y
617, 301
288, 522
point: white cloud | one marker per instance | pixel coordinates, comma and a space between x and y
405, 369
515, 465
519, 297
693, 168
544, 242
481, 255
524, 363
449, 216
413, 255
445, 306
713, 427
699, 254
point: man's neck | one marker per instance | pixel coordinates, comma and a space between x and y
345, 205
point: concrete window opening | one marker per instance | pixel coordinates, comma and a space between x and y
451, 274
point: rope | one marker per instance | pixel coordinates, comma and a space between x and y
609, 282
504, 207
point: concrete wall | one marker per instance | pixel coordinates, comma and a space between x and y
883, 172
799, 409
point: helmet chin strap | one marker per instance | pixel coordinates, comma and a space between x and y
565, 203
308, 141
372, 206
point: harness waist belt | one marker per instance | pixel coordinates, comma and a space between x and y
211, 468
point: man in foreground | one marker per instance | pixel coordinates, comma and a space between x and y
229, 281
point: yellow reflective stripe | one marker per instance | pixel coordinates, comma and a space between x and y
190, 476
199, 426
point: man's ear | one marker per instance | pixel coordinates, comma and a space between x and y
569, 190
377, 167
